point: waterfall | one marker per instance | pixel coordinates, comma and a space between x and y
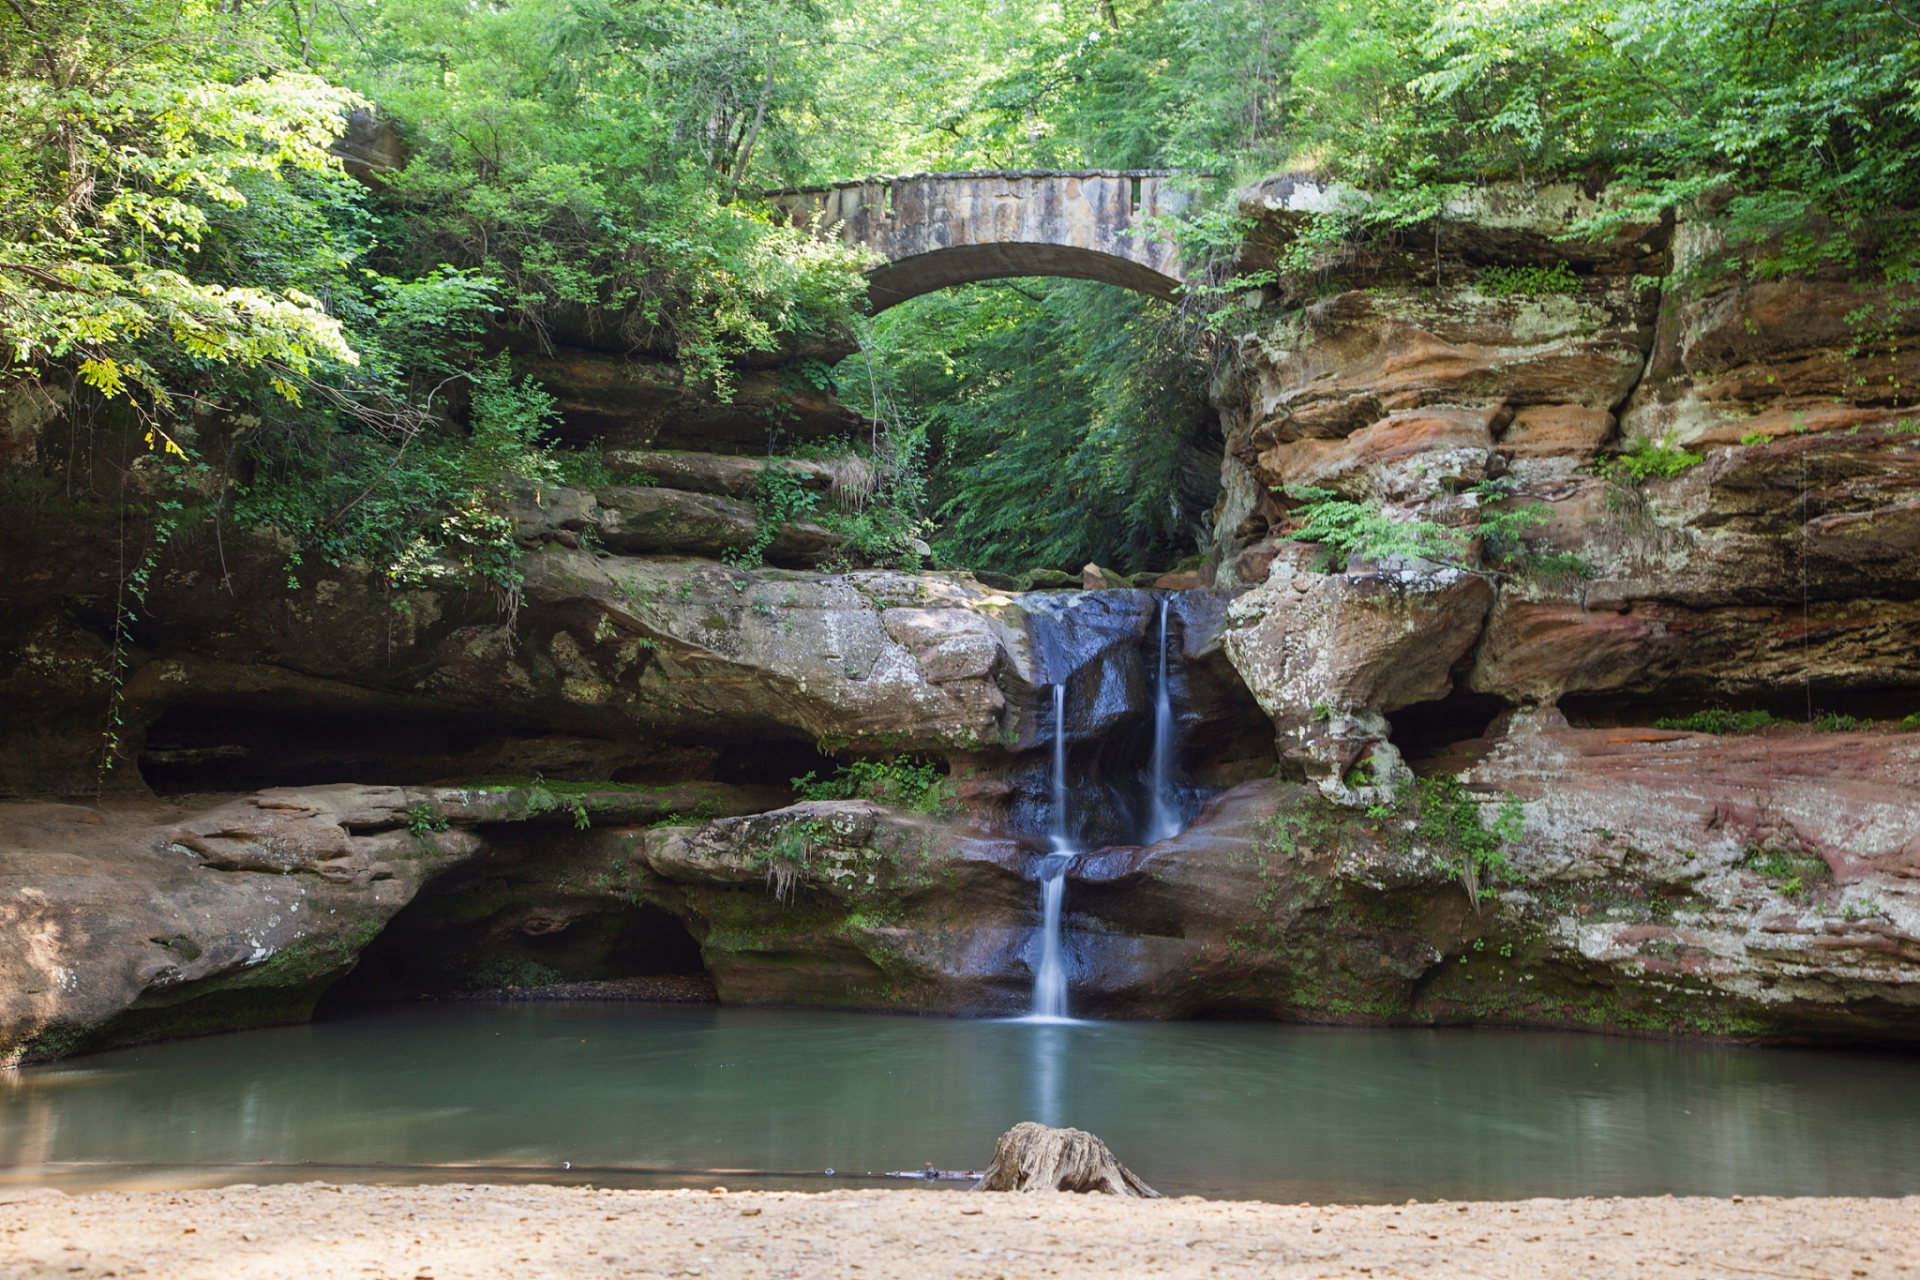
1165, 818
1095, 640
1050, 976
1060, 843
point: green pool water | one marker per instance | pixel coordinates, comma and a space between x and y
631, 1095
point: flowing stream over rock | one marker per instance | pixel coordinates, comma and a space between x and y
1050, 977
1110, 669
1166, 820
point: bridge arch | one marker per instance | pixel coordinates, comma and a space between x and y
933, 230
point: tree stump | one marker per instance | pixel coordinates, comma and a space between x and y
1031, 1158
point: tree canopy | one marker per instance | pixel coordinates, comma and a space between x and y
179, 241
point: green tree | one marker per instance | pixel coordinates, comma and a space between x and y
117, 143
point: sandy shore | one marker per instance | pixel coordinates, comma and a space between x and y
318, 1232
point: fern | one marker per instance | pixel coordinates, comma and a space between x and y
1347, 528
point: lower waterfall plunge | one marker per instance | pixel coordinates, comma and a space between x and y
1050, 976
1050, 988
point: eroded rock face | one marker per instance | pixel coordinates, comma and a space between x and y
1736, 358
1779, 570
1762, 886
637, 401
644, 521
847, 904
649, 658
125, 924
733, 475
1750, 886
1327, 655
131, 921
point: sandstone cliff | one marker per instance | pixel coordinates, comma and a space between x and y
450, 795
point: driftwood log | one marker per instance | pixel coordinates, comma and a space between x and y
1031, 1157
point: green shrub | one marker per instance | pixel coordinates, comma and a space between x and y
904, 783
1718, 720
780, 494
1347, 528
1528, 281
542, 798
1650, 461
1791, 872
586, 468
423, 821
1834, 722
1502, 529
1453, 820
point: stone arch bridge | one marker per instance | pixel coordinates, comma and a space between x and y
941, 229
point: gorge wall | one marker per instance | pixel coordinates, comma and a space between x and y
598, 784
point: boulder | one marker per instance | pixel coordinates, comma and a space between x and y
1095, 578
1326, 655
639, 402
130, 925
850, 904
371, 149
135, 923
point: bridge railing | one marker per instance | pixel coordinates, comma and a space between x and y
881, 180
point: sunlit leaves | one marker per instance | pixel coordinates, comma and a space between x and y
114, 149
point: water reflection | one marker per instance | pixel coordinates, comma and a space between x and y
1285, 1113
1049, 1052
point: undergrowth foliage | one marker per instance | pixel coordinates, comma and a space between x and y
1652, 460
1346, 527
179, 243
904, 782
1717, 720
1452, 819
780, 494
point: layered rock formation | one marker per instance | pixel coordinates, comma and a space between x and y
388, 794
1768, 555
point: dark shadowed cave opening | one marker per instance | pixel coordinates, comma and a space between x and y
1423, 730
438, 946
198, 747
226, 746
1610, 711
